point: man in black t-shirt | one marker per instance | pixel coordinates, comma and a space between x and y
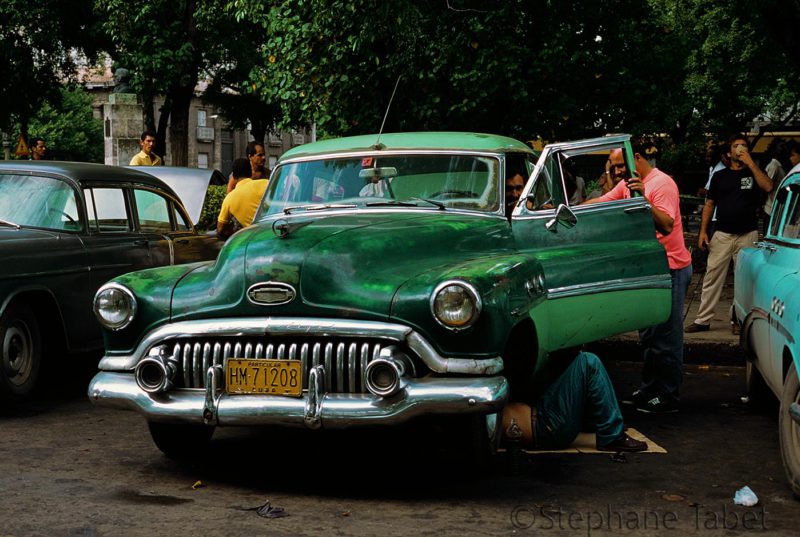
736, 193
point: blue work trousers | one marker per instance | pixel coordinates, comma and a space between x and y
581, 398
662, 345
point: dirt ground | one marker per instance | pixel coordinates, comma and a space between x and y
69, 468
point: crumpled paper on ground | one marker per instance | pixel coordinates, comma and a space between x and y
745, 496
269, 511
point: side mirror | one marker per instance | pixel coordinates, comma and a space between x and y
564, 216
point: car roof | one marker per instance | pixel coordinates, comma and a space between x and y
793, 176
463, 141
85, 172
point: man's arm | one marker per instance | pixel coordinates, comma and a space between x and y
702, 238
224, 224
763, 180
224, 230
663, 221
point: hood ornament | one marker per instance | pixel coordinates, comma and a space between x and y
271, 293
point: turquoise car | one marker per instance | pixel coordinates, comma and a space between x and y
385, 278
767, 303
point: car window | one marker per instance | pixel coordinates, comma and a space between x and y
41, 202
181, 221
548, 189
458, 181
153, 211
591, 173
791, 226
107, 210
778, 210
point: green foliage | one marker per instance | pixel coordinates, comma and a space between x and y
38, 45
211, 207
69, 128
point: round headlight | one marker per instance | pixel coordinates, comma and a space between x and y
455, 304
114, 306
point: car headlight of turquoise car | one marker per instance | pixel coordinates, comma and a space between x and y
114, 306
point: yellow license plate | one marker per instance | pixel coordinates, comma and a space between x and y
266, 377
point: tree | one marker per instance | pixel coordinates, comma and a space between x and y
168, 45
158, 42
69, 127
230, 89
39, 46
516, 68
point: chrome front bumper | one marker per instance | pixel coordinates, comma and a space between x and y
428, 396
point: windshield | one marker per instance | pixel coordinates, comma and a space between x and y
41, 202
431, 181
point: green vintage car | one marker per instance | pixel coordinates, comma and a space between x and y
383, 280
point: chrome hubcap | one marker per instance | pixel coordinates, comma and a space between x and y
17, 353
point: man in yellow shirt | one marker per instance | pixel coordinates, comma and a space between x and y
146, 157
242, 202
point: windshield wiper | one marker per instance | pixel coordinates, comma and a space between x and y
9, 224
439, 204
288, 210
390, 202
398, 203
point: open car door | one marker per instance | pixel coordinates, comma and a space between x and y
604, 270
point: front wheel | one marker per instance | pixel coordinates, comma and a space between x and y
757, 389
790, 431
21, 352
477, 439
180, 441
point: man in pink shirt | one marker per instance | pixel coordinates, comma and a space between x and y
662, 344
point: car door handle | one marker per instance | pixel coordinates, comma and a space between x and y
639, 209
182, 241
141, 242
766, 246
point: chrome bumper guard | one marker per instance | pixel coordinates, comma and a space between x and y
794, 412
427, 396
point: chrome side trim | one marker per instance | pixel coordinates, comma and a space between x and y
483, 395
301, 326
623, 284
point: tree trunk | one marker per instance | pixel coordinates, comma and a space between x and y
161, 131
258, 129
179, 124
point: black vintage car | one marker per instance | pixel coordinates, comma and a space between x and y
65, 229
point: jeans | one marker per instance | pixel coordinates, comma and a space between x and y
663, 345
582, 397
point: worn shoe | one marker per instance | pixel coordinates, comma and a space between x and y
624, 443
658, 405
694, 327
638, 397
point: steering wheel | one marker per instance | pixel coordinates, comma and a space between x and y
62, 213
448, 194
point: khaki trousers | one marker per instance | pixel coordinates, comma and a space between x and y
722, 248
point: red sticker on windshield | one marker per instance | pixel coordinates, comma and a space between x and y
366, 162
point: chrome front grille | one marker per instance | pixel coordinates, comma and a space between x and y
344, 360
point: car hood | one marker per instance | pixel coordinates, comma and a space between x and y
341, 265
190, 184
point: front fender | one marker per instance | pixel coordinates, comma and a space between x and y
153, 289
509, 287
